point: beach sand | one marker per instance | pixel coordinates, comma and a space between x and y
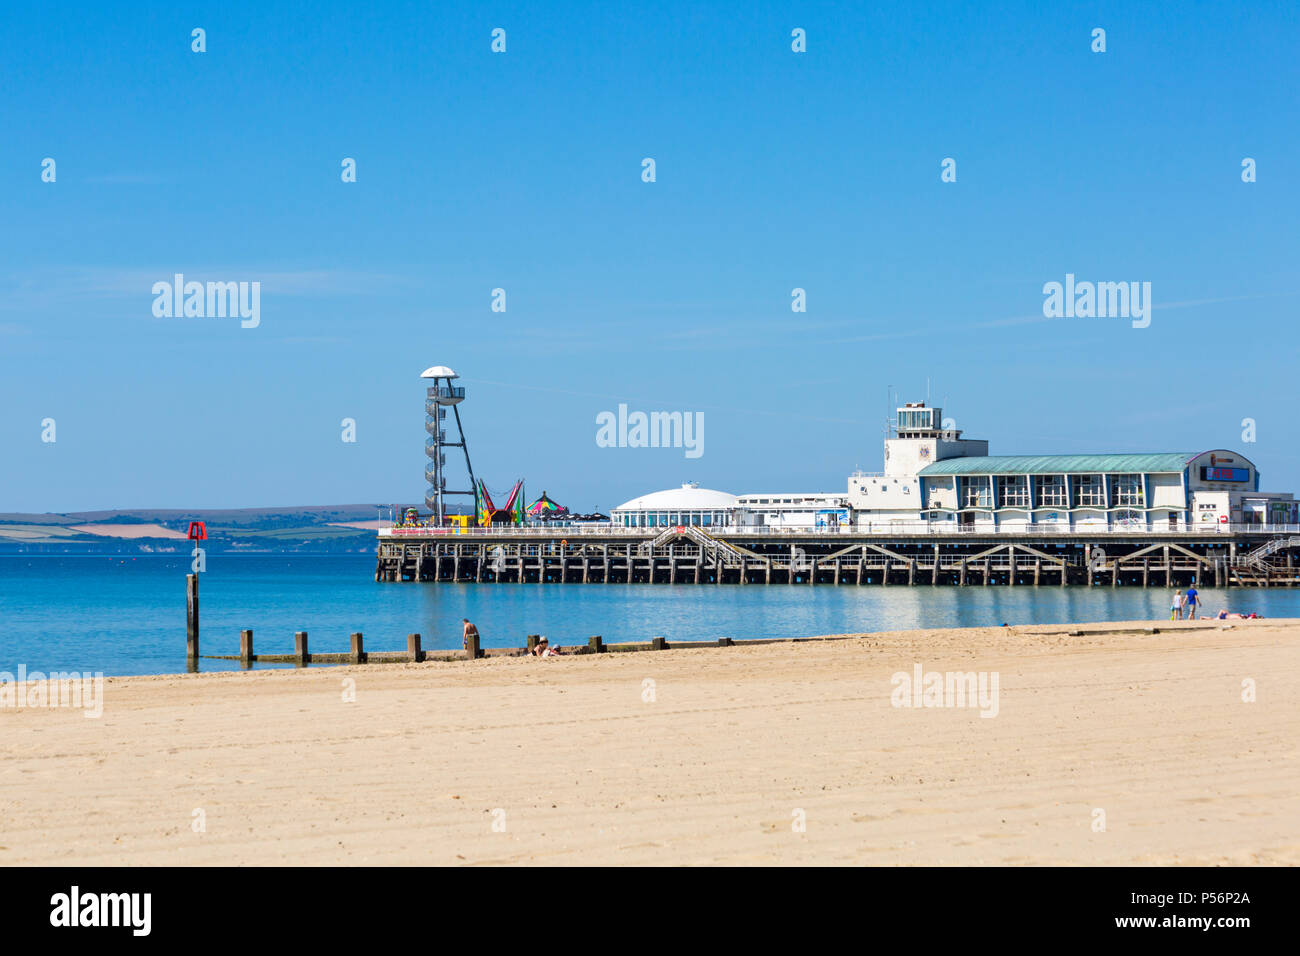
574, 764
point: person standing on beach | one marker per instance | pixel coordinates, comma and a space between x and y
470, 631
1193, 602
1176, 607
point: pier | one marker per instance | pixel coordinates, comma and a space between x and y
1244, 556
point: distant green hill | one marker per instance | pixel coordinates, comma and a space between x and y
313, 528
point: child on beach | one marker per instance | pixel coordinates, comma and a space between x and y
1176, 607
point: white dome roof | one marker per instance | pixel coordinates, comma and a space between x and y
438, 371
685, 498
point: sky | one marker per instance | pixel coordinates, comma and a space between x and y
522, 170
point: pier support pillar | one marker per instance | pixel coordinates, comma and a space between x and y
934, 571
961, 573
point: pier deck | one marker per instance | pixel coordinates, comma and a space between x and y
692, 555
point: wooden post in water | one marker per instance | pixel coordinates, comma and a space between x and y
192, 621
246, 647
300, 647
658, 644
358, 649
417, 655
596, 645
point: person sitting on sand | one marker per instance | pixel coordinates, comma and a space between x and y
544, 649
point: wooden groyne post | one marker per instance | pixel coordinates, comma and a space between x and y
413, 647
358, 651
192, 622
246, 648
301, 656
473, 648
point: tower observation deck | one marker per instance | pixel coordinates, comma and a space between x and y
441, 395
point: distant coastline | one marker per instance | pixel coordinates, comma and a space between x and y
314, 529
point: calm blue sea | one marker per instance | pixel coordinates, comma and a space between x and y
124, 615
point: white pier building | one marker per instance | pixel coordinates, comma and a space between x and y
935, 481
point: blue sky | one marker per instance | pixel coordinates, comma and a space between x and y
522, 171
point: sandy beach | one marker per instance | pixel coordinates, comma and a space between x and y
788, 753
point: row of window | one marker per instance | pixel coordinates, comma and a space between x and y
745, 502
665, 519
1051, 491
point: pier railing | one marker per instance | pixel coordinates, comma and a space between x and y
881, 529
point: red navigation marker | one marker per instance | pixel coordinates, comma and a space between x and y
198, 531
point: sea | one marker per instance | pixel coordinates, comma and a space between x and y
119, 615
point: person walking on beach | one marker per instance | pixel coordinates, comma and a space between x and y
470, 631
1176, 607
1193, 602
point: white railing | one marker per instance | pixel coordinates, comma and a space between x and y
877, 529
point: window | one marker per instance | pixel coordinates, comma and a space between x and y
1126, 490
1089, 491
1013, 491
975, 493
1049, 491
